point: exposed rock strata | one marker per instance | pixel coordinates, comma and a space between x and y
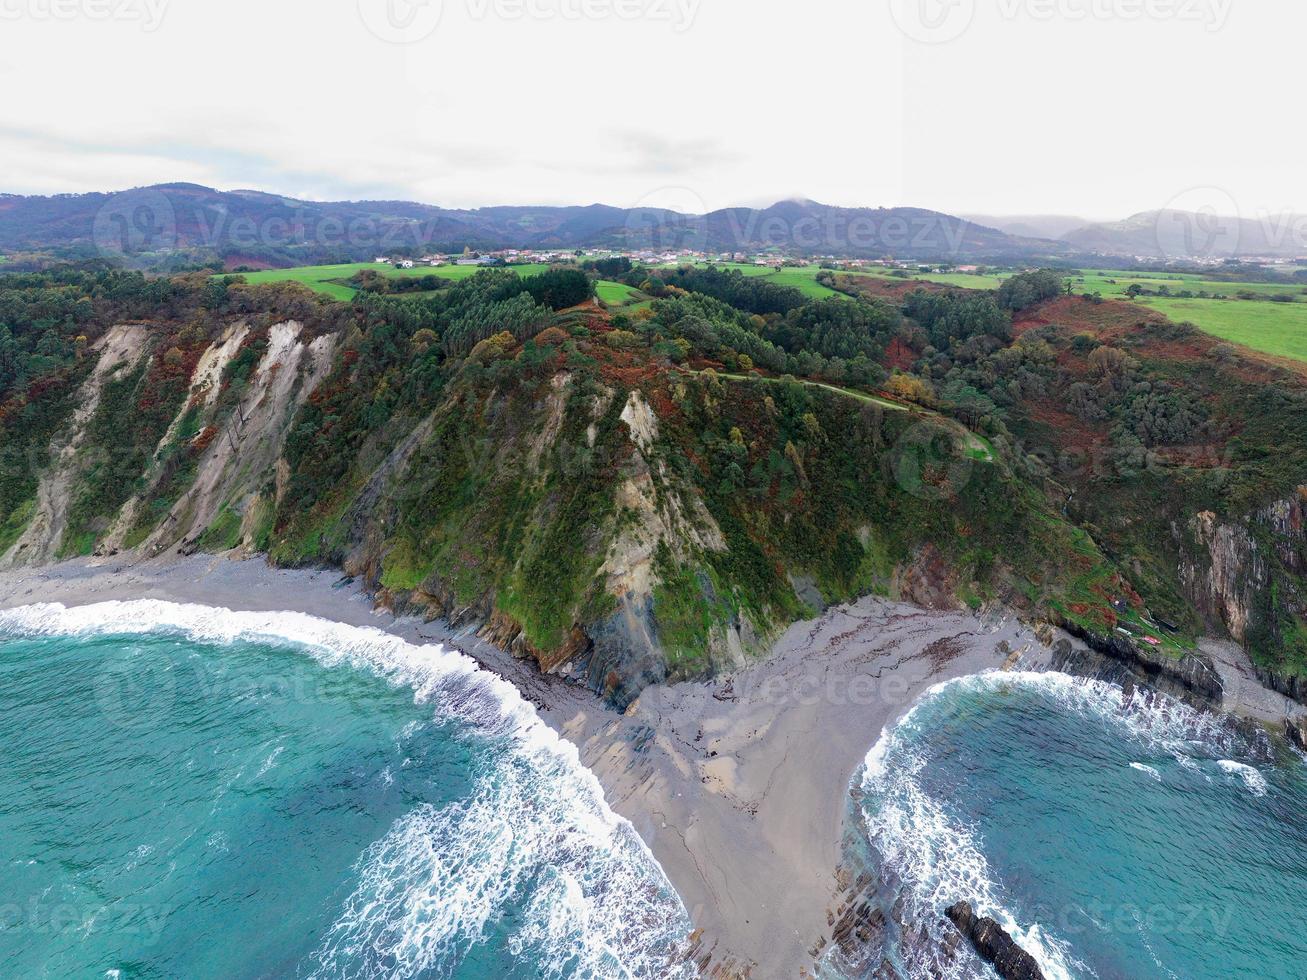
994, 945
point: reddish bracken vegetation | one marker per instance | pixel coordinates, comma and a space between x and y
878, 287
204, 440
898, 355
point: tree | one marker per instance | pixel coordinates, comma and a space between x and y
10, 365
1029, 288
557, 289
957, 316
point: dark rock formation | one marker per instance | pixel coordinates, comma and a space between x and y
1291, 686
1193, 679
1296, 730
994, 945
1246, 576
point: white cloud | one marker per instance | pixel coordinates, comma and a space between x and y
1094, 109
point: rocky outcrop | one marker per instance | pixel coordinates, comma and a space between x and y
1225, 587
1296, 730
1193, 678
120, 351
1293, 687
994, 945
1247, 577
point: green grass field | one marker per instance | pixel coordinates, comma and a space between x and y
616, 293
1111, 283
803, 279
1275, 328
1114, 283
321, 278
963, 280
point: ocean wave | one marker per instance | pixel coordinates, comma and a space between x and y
536, 826
1253, 779
1146, 770
939, 861
1162, 724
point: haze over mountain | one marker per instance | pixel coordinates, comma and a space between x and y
1032, 225
1175, 234
250, 226
171, 225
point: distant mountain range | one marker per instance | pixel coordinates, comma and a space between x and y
180, 224
1186, 234
1166, 235
1054, 226
263, 228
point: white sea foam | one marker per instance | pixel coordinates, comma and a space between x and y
1148, 770
270, 762
1253, 779
938, 860
941, 862
536, 827
1160, 722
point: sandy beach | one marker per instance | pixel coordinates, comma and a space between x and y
739, 787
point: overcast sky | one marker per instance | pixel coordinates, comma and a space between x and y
1098, 108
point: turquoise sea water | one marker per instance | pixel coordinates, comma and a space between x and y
1133, 839
188, 792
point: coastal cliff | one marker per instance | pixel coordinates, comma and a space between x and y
605, 496
1246, 577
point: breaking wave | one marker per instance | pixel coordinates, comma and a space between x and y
535, 834
928, 856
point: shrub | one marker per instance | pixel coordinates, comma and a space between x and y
492, 348
551, 337
1028, 289
621, 339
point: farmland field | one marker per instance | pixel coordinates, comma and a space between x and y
1275, 328
803, 279
966, 280
320, 277
616, 293
1111, 283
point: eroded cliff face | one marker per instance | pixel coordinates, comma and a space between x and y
210, 471
611, 517
232, 481
1246, 577
118, 352
1226, 574
496, 492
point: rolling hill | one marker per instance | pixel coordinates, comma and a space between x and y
251, 227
